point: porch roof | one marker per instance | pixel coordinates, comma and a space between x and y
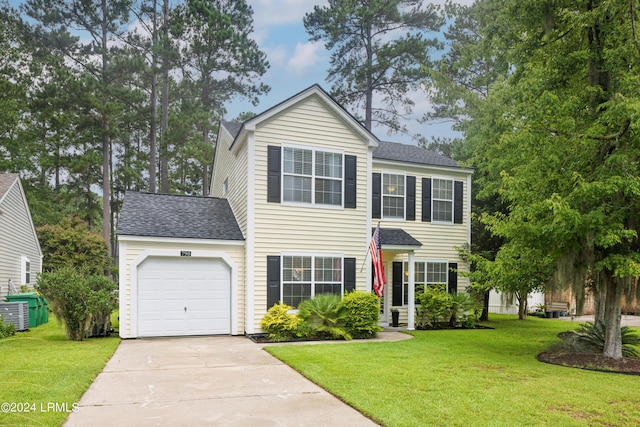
397, 238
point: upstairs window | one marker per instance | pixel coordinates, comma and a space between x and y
393, 196
442, 200
312, 176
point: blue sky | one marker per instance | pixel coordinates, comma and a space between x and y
296, 63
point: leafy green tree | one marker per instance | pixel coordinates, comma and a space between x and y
379, 53
565, 159
102, 22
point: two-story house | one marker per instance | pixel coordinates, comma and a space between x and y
296, 193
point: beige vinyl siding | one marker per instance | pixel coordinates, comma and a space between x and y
439, 241
135, 248
17, 239
283, 228
234, 168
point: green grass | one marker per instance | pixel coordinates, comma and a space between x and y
44, 373
469, 377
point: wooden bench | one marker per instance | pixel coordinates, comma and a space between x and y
557, 307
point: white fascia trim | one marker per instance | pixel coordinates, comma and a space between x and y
184, 241
379, 163
23, 197
175, 253
250, 242
123, 287
400, 248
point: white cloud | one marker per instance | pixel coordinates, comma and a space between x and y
268, 13
305, 56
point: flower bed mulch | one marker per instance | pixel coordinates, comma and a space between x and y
593, 362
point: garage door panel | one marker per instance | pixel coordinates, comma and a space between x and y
166, 286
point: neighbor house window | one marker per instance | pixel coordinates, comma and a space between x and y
312, 176
308, 275
26, 271
426, 273
393, 193
442, 200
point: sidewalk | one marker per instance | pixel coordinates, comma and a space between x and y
632, 321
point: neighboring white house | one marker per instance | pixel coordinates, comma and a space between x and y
508, 304
20, 254
297, 191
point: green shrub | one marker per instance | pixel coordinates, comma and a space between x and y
78, 300
326, 316
279, 324
432, 306
362, 314
6, 331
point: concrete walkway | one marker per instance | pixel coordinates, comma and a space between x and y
208, 381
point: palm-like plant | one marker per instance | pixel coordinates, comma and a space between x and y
325, 314
593, 336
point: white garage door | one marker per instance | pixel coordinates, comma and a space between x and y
183, 296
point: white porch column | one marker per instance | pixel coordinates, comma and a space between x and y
411, 323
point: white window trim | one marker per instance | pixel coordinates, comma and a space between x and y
313, 177
23, 271
425, 261
453, 195
313, 255
382, 195
225, 187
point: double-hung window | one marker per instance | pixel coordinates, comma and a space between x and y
427, 273
312, 176
304, 276
393, 196
442, 200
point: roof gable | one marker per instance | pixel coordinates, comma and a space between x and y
166, 215
238, 130
6, 182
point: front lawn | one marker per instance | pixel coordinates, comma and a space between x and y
42, 374
478, 377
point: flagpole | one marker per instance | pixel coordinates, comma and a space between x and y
368, 249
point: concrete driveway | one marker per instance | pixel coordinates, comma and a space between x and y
206, 381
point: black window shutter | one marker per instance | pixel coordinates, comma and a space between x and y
376, 196
273, 174
350, 163
273, 280
426, 199
453, 278
457, 202
349, 274
397, 284
411, 198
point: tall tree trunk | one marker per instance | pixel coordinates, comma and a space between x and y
164, 164
369, 94
153, 100
612, 318
484, 317
106, 140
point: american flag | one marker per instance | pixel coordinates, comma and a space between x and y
376, 257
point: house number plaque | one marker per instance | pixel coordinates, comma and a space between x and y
185, 253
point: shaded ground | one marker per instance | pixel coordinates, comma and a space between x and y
596, 362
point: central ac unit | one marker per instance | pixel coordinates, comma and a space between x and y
15, 313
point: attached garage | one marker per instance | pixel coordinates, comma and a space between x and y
179, 277
183, 296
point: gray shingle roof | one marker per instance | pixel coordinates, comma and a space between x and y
396, 237
232, 127
411, 154
165, 215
